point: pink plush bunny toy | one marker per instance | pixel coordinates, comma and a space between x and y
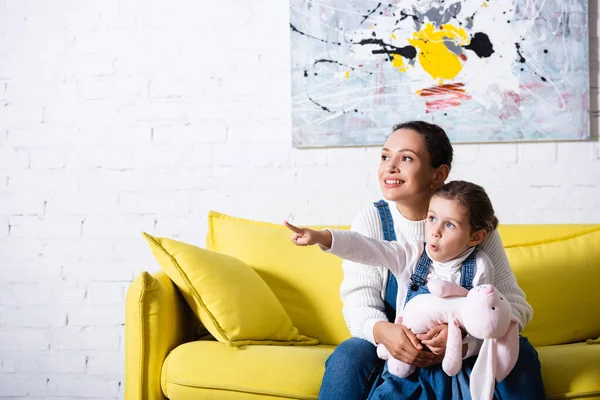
483, 312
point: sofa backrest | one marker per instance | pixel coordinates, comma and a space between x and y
558, 267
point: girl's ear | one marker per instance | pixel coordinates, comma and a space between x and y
477, 237
440, 175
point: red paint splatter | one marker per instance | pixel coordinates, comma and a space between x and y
515, 97
444, 96
463, 57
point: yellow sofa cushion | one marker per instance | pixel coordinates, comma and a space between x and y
571, 371
235, 305
247, 372
560, 278
305, 279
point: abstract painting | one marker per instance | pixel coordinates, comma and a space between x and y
484, 70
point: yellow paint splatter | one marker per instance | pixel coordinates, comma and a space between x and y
347, 74
393, 36
485, 4
434, 56
398, 62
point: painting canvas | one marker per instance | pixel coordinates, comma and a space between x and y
486, 71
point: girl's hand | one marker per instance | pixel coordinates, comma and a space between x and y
309, 237
404, 345
435, 339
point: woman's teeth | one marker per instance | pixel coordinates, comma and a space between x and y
392, 182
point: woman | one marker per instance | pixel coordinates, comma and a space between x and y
415, 160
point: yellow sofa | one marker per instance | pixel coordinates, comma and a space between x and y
170, 355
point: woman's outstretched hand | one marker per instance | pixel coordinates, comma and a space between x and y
404, 345
309, 237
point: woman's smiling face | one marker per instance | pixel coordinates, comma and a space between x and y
405, 172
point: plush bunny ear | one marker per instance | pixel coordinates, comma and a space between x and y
507, 351
482, 378
440, 288
495, 361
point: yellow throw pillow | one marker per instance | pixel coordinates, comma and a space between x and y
306, 280
231, 300
560, 278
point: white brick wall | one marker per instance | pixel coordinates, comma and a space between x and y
122, 116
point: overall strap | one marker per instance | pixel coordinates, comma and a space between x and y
389, 234
387, 222
468, 271
417, 285
418, 277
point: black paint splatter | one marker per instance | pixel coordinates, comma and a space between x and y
312, 37
521, 59
481, 45
405, 15
369, 14
407, 51
320, 105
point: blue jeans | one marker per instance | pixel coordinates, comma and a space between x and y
350, 371
353, 368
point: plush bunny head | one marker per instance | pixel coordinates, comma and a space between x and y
487, 313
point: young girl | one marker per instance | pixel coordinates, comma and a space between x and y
459, 218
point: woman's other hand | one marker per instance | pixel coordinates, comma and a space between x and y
309, 237
404, 345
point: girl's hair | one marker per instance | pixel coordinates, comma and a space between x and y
436, 141
474, 200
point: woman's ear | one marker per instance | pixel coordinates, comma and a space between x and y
477, 237
440, 175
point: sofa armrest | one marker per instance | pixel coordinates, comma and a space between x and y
157, 320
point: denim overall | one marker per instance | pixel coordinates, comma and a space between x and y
354, 371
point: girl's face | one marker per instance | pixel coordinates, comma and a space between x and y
405, 172
447, 230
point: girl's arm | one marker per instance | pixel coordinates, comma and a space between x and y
362, 286
504, 279
359, 248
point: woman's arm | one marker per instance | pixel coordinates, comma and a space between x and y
504, 278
